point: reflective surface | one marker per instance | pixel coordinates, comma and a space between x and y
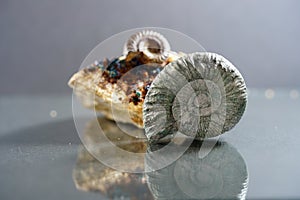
222, 173
42, 156
91, 175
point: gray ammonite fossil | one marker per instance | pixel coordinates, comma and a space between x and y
151, 43
201, 95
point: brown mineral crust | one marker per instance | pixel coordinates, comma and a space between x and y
123, 65
144, 75
128, 77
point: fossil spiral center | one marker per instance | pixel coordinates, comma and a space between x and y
199, 98
150, 45
201, 101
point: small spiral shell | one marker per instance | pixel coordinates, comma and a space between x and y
201, 95
151, 43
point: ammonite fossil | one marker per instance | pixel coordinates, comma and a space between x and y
200, 95
222, 174
151, 43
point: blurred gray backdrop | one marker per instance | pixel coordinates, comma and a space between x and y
43, 42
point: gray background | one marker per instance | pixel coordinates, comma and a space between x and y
43, 42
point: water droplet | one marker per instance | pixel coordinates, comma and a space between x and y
53, 113
269, 94
294, 94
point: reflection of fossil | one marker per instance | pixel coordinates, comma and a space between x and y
113, 86
222, 174
200, 94
91, 175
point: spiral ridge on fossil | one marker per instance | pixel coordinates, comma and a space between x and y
151, 43
201, 95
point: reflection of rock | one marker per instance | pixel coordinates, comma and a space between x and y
96, 130
222, 174
91, 175
115, 148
